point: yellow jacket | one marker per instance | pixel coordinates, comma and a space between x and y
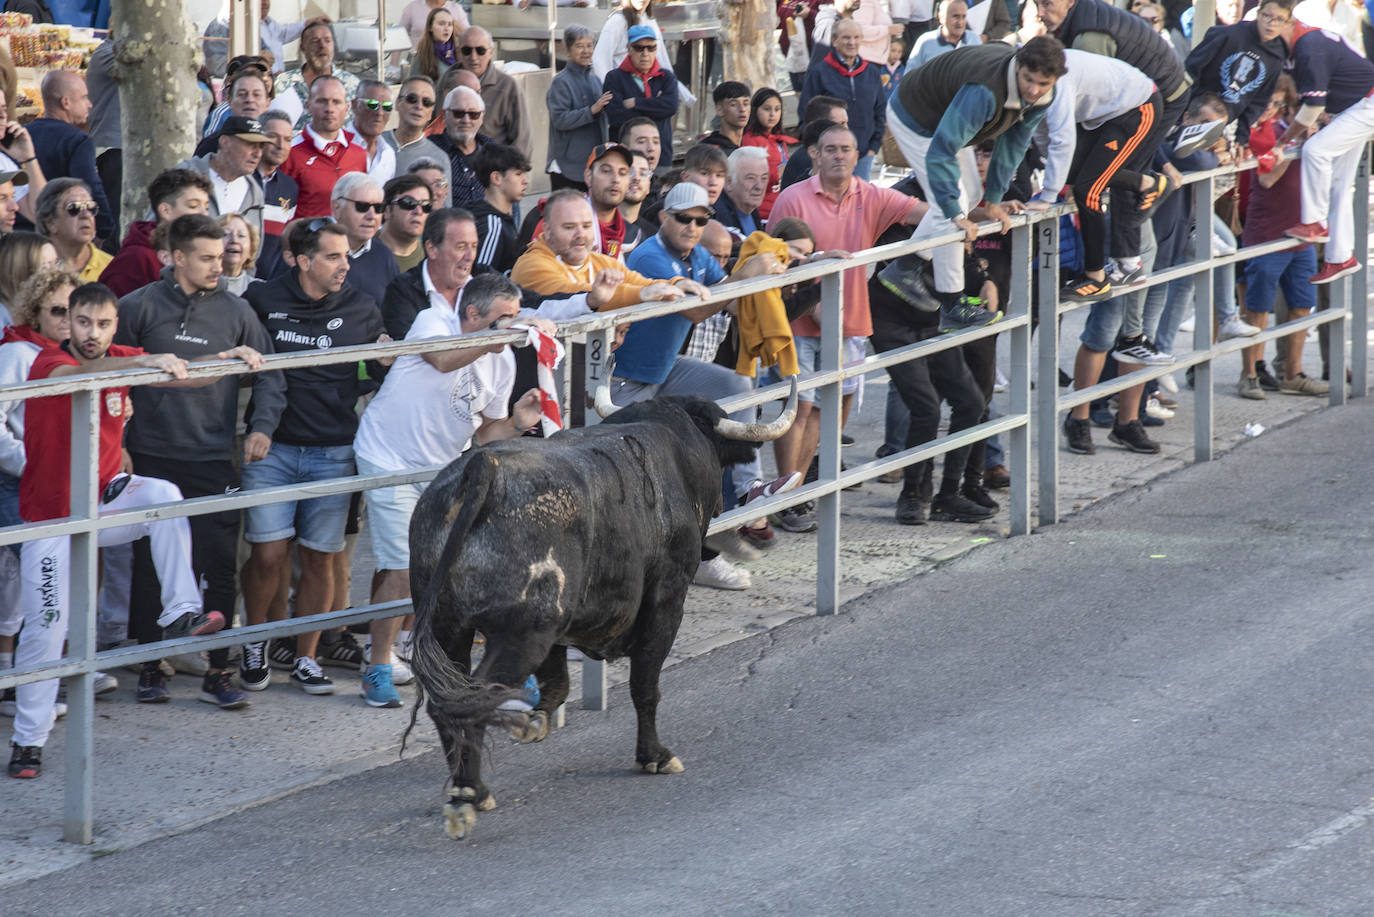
763, 329
540, 270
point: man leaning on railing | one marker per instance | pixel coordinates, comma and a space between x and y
45, 494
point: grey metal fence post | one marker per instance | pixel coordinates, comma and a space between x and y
1359, 286
1336, 341
594, 686
828, 402
79, 805
1018, 441
1204, 301
1047, 369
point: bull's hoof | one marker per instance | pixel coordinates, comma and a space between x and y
528, 727
487, 803
459, 819
671, 766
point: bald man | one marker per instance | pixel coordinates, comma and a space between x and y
63, 147
508, 116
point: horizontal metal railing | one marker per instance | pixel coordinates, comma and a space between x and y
85, 522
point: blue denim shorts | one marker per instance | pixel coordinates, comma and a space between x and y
317, 523
1265, 275
809, 359
1103, 324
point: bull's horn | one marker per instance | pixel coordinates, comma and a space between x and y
762, 432
603, 404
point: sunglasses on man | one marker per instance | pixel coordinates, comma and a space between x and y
414, 98
684, 219
459, 114
470, 50
365, 206
76, 208
409, 204
374, 104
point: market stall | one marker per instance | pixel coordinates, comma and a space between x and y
37, 49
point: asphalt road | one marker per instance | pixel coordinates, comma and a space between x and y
1159, 707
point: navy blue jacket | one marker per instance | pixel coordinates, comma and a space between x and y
661, 106
862, 93
1236, 65
68, 152
373, 270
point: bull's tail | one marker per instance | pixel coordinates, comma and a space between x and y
458, 704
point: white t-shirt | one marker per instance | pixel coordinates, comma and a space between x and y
229, 195
423, 417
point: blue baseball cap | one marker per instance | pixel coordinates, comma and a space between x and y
639, 33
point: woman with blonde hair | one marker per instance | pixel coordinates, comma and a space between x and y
21, 254
240, 252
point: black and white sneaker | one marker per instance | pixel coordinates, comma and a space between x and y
344, 651
281, 653
1132, 436
254, 674
1126, 275
1140, 351
309, 677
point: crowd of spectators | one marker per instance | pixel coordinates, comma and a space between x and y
321, 210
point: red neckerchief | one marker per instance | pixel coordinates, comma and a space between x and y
613, 235
644, 78
25, 333
833, 60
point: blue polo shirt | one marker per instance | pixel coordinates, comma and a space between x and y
652, 346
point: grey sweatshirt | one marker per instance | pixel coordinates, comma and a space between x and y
195, 424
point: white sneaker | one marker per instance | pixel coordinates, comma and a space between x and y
1169, 384
1158, 411
719, 573
401, 673
105, 682
1187, 325
1233, 327
1000, 382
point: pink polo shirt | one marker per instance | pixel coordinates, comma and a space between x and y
853, 224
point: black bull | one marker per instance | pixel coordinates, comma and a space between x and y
589, 538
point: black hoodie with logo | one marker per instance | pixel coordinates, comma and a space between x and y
197, 424
321, 401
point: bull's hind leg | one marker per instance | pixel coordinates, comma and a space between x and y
510, 661
658, 630
553, 686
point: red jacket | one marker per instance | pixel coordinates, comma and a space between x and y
137, 264
316, 170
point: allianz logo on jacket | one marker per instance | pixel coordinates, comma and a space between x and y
323, 341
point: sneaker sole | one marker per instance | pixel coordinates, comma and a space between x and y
911, 521
314, 689
156, 699
25, 773
1311, 240
997, 317
1080, 450
1131, 447
247, 685
898, 292
214, 623
942, 516
1334, 277
388, 704
794, 529
207, 697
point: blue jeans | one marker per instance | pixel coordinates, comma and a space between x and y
865, 167
317, 523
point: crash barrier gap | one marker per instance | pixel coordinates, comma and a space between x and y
1348, 303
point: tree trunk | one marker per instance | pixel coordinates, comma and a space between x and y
157, 54
749, 36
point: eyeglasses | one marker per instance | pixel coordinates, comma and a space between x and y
76, 208
374, 104
458, 114
410, 203
469, 49
58, 311
365, 206
684, 219
414, 98
318, 223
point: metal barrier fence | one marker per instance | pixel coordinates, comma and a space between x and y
86, 522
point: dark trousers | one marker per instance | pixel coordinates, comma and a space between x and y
214, 547
1111, 156
109, 165
922, 385
1127, 220
981, 359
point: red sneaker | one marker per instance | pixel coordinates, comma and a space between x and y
1330, 272
1308, 232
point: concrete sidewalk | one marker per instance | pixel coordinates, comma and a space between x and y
163, 770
